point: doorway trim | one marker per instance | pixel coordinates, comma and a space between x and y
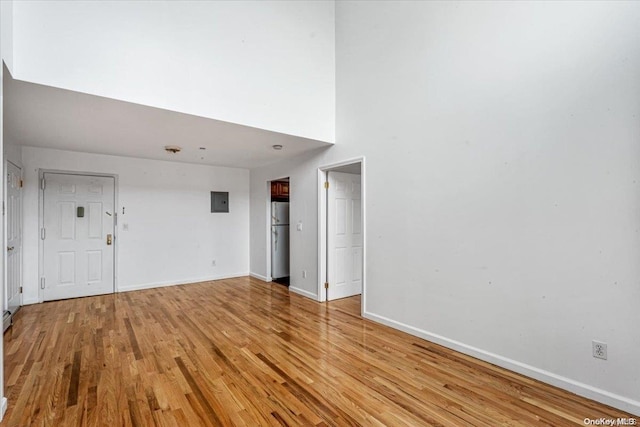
322, 226
41, 173
5, 229
268, 277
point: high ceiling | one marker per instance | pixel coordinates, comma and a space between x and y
44, 116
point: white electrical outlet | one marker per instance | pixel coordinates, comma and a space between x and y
213, 263
304, 274
599, 350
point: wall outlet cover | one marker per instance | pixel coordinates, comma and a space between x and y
599, 350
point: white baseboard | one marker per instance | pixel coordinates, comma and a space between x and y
260, 277
303, 292
3, 407
585, 390
291, 288
142, 286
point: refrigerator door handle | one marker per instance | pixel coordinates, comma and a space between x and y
274, 230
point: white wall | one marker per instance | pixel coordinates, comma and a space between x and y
303, 208
172, 235
502, 145
266, 64
12, 152
6, 28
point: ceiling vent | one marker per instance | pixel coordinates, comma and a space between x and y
173, 149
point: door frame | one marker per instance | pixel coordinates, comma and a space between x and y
322, 226
268, 277
41, 173
5, 227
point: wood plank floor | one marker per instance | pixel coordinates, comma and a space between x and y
244, 352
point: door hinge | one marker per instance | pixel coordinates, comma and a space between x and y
326, 184
326, 285
20, 289
43, 233
21, 183
43, 184
2, 208
42, 283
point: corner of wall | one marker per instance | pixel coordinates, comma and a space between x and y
259, 277
304, 293
6, 37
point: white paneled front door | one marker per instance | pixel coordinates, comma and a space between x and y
78, 235
14, 237
344, 235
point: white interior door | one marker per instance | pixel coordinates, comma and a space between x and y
14, 237
344, 235
78, 235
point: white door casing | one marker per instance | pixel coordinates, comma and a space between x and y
344, 235
78, 247
14, 237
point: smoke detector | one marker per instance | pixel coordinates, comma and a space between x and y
173, 149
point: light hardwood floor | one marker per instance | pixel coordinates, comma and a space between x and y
244, 352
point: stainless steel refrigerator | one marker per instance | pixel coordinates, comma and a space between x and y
279, 240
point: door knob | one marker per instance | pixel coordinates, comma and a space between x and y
108, 239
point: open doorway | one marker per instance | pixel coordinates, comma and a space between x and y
279, 229
341, 228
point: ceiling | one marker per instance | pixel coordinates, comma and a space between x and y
43, 116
